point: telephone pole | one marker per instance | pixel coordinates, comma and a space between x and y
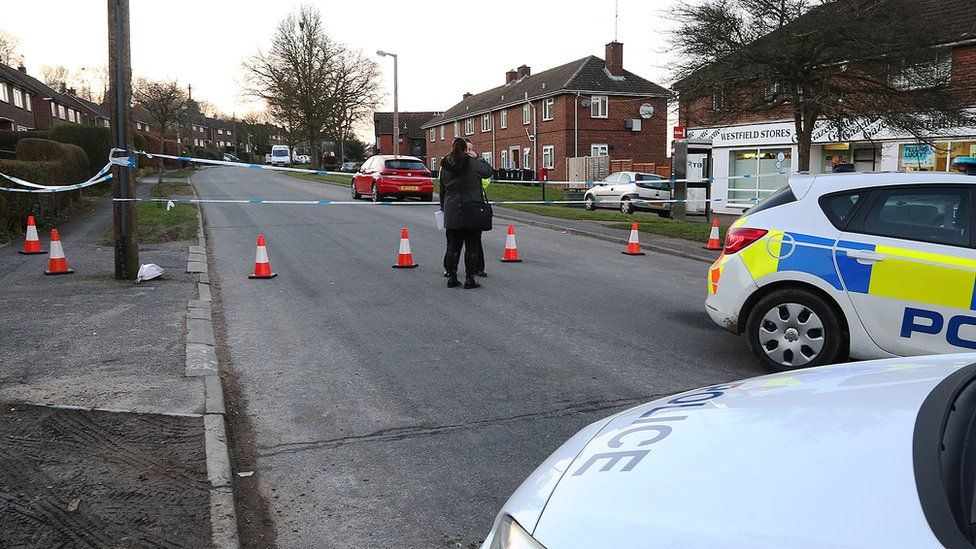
123, 182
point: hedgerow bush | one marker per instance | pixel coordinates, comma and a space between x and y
45, 207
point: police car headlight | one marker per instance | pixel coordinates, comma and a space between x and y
510, 535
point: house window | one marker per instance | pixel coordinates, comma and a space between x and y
923, 75
599, 106
3, 93
22, 128
28, 102
442, 133
599, 149
547, 108
18, 99
61, 113
525, 114
527, 158
457, 129
504, 119
433, 160
54, 108
505, 159
486, 123
433, 135
469, 126
548, 157
487, 156
71, 115
106, 123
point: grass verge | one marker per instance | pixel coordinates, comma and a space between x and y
177, 174
157, 224
342, 180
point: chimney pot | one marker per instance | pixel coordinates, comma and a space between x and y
524, 71
615, 58
22, 69
466, 95
511, 76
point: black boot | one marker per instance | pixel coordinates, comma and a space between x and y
482, 273
447, 274
452, 280
470, 283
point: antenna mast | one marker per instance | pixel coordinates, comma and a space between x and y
616, 18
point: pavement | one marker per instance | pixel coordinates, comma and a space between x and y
378, 408
104, 442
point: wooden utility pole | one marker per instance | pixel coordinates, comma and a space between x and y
123, 181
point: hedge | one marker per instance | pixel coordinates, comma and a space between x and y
95, 140
45, 207
72, 157
9, 139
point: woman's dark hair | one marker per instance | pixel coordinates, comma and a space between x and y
459, 151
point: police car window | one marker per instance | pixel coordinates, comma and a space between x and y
778, 198
939, 215
840, 207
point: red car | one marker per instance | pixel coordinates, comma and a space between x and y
396, 176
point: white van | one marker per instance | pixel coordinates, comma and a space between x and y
280, 155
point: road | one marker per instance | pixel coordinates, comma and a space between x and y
390, 411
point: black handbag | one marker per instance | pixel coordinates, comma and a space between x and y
476, 215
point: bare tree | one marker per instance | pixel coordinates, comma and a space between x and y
56, 76
10, 49
91, 83
166, 102
850, 63
356, 91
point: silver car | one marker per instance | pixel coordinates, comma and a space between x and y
620, 189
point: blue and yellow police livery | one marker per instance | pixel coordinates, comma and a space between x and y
862, 265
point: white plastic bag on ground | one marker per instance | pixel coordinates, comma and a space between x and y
149, 271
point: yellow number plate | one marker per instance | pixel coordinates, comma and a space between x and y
410, 188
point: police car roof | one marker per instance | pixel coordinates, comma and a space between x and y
827, 183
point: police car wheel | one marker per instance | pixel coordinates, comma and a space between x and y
790, 329
589, 204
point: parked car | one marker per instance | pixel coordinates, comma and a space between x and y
865, 265
620, 189
280, 155
809, 459
303, 159
349, 167
267, 158
393, 176
229, 157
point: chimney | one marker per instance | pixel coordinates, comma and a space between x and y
524, 71
511, 76
22, 69
466, 95
72, 91
615, 58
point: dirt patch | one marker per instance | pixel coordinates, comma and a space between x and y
77, 478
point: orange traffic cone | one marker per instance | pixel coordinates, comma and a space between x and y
262, 267
633, 245
32, 245
405, 258
511, 250
713, 241
57, 264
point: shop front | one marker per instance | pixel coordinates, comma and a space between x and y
751, 161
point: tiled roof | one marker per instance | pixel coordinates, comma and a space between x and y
410, 122
588, 74
27, 81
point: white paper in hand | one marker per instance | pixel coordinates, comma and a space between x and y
439, 219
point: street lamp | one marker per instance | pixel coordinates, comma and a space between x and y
396, 110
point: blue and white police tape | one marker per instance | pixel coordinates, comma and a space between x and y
99, 177
258, 201
422, 178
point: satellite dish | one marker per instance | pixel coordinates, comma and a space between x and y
646, 110
585, 103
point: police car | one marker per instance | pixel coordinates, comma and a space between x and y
851, 265
869, 454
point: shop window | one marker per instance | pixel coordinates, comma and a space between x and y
865, 160
836, 154
757, 173
923, 157
961, 148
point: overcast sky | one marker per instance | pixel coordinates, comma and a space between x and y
444, 48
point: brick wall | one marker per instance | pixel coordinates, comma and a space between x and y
648, 145
20, 116
963, 79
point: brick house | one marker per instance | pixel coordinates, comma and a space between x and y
28, 103
588, 107
412, 140
764, 143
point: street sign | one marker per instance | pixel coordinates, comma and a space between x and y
679, 132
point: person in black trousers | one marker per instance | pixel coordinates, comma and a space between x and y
460, 181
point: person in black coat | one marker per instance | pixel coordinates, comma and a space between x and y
461, 173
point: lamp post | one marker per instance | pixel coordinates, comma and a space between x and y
396, 109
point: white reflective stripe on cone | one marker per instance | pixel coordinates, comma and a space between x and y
31, 232
510, 242
57, 252
404, 246
633, 235
261, 256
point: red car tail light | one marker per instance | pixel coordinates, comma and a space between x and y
738, 238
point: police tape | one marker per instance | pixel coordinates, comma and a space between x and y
269, 167
257, 201
99, 177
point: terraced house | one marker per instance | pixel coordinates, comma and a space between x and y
588, 107
26, 103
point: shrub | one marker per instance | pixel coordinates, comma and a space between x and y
76, 167
46, 207
9, 139
39, 150
96, 141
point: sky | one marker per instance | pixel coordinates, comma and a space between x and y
445, 48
